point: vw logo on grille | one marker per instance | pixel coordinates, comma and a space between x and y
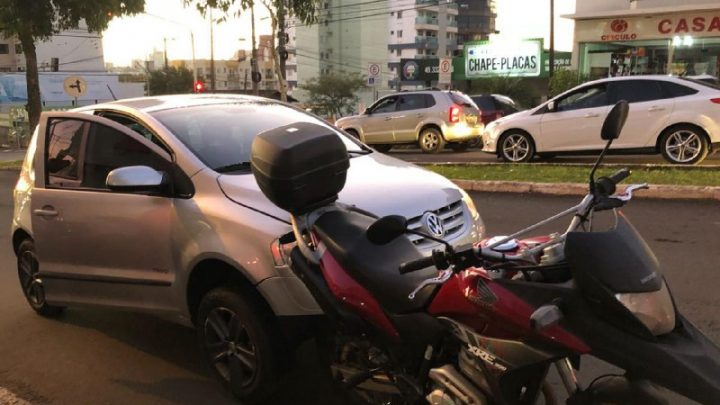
433, 225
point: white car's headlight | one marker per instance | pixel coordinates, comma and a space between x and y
474, 214
654, 309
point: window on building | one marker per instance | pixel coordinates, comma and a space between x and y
392, 13
392, 32
399, 33
4, 49
399, 14
326, 5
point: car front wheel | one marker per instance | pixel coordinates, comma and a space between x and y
431, 140
241, 342
684, 144
516, 147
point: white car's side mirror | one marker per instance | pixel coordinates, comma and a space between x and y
551, 106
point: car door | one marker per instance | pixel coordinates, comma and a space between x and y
649, 112
95, 245
576, 120
410, 111
376, 123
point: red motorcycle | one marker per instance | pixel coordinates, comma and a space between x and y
487, 328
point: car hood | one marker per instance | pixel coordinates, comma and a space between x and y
377, 183
518, 114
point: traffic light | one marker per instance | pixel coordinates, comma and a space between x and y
199, 86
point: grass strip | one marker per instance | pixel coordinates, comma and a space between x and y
11, 165
570, 174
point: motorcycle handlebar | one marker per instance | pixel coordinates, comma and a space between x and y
606, 185
415, 265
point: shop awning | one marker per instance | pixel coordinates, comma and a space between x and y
638, 12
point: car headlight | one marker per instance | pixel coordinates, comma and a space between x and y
474, 214
654, 309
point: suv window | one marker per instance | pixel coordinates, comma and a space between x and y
586, 97
64, 142
676, 90
461, 99
411, 102
385, 105
108, 149
636, 91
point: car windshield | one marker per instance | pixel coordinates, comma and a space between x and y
221, 135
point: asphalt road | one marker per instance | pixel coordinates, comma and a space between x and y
98, 356
474, 155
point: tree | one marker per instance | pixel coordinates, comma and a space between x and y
37, 20
335, 93
565, 79
170, 80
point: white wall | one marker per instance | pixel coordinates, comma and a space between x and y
78, 50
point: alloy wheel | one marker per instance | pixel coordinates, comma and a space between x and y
29, 281
230, 347
683, 146
516, 147
431, 140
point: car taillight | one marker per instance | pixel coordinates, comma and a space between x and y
715, 100
454, 114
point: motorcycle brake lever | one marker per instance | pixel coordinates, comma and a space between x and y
627, 195
440, 279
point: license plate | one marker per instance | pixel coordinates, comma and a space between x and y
471, 119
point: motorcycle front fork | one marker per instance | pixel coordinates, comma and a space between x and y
567, 375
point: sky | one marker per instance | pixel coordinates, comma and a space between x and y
136, 37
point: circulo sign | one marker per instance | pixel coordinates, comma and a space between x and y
410, 70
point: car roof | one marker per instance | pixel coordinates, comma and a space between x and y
158, 103
636, 77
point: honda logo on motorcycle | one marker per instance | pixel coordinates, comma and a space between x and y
433, 225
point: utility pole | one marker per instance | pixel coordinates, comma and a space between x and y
282, 41
194, 68
442, 32
165, 52
212, 53
253, 61
551, 61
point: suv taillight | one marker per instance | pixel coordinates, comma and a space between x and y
454, 114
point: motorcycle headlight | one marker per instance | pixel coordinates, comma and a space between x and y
474, 214
654, 309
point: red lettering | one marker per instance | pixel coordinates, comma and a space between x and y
662, 26
715, 24
681, 26
698, 24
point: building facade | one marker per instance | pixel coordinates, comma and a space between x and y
620, 38
475, 20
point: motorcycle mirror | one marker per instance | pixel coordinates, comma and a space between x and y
386, 229
615, 121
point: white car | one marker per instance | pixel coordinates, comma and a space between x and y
677, 117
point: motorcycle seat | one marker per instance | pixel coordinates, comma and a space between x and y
375, 267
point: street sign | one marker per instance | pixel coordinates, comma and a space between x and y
373, 74
371, 81
445, 71
75, 86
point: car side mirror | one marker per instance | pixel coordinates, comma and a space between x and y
367, 112
551, 106
386, 229
615, 121
135, 178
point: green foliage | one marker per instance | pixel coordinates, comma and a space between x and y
335, 93
565, 79
303, 10
517, 88
171, 80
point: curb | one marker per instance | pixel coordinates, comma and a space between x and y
656, 191
649, 166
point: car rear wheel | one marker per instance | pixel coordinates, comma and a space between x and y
32, 286
684, 144
516, 147
241, 342
431, 140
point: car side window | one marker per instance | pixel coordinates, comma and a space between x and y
64, 149
411, 102
385, 105
136, 126
108, 149
587, 97
429, 100
673, 90
636, 91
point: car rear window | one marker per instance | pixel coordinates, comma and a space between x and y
222, 135
461, 99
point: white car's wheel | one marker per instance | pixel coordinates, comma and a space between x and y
684, 144
516, 147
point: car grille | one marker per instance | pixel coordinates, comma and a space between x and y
452, 220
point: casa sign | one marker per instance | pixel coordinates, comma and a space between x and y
517, 59
649, 27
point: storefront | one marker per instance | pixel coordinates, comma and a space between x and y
639, 42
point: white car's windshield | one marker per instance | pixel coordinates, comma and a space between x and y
221, 135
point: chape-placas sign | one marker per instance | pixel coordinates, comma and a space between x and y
515, 59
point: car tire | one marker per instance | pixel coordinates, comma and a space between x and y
475, 142
382, 147
431, 140
516, 147
676, 141
240, 340
32, 287
353, 133
459, 146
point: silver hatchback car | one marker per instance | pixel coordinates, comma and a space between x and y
430, 118
149, 204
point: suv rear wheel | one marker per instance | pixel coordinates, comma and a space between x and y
431, 140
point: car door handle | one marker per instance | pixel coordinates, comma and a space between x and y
591, 115
46, 212
656, 108
388, 118
419, 115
